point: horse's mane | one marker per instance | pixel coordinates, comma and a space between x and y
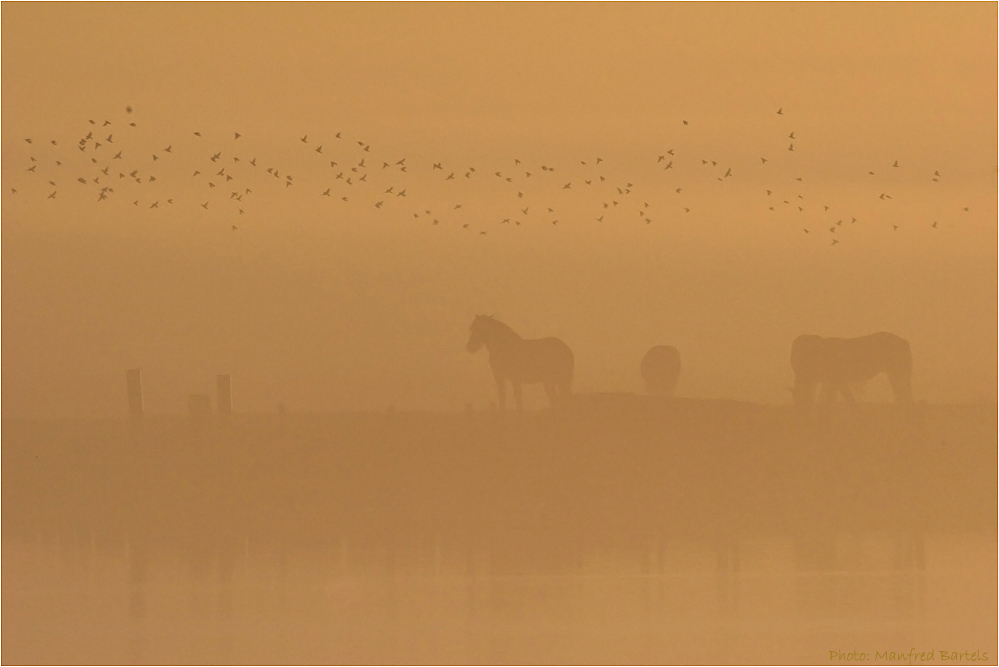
496, 324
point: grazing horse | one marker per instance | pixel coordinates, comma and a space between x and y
661, 369
836, 363
522, 360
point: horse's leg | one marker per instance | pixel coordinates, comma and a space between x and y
501, 390
901, 386
516, 395
552, 392
565, 388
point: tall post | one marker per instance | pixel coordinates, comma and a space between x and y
224, 395
134, 383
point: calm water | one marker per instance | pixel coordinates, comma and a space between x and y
79, 598
544, 539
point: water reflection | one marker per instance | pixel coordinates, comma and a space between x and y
729, 535
70, 600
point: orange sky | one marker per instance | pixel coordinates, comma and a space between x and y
325, 304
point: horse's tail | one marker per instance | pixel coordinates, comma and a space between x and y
570, 371
900, 375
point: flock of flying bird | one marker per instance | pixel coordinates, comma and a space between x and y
107, 164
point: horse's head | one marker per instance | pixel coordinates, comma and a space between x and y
476, 336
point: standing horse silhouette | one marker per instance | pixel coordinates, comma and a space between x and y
835, 363
661, 369
523, 360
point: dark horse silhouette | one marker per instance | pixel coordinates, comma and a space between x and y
661, 369
522, 360
836, 363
